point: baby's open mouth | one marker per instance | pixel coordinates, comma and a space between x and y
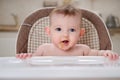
65, 42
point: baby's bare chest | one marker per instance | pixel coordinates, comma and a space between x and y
56, 52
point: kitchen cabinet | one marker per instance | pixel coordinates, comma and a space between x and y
114, 30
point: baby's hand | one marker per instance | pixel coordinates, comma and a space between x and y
24, 55
111, 55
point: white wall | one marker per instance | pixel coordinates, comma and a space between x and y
107, 7
19, 7
7, 43
24, 7
116, 42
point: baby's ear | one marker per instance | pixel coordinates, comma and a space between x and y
82, 32
47, 30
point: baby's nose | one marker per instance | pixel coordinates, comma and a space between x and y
65, 33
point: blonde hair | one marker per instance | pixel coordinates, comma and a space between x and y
66, 10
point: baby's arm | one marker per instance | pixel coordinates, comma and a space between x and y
107, 53
24, 55
39, 52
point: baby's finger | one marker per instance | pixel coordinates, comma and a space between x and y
29, 55
17, 55
110, 56
21, 56
24, 56
106, 54
115, 56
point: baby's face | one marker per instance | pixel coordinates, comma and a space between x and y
65, 31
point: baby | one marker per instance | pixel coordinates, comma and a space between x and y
64, 32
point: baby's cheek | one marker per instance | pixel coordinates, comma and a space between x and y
55, 40
74, 39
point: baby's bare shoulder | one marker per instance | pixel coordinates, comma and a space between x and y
82, 46
46, 45
42, 48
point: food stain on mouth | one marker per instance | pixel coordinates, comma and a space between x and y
63, 44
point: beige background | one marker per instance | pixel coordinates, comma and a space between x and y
23, 8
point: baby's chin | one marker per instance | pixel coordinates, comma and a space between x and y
64, 47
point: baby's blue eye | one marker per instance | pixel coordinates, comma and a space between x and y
58, 29
72, 30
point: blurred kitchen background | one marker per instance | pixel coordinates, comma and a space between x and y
13, 12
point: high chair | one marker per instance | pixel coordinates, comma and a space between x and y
31, 33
